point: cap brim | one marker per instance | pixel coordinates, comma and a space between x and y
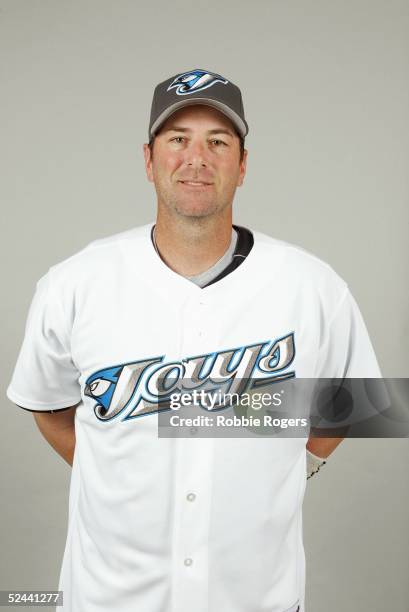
223, 108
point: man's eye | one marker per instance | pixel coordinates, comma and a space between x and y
177, 138
218, 142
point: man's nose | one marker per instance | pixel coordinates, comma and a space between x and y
196, 155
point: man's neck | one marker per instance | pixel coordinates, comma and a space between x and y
191, 246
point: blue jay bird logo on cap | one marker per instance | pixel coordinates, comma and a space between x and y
195, 80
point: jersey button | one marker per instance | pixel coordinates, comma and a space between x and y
188, 562
191, 497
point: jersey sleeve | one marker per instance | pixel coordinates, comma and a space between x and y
347, 351
45, 377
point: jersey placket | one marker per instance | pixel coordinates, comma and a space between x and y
193, 482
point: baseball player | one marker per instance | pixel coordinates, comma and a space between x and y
178, 524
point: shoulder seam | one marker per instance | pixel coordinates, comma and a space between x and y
99, 243
341, 301
53, 293
297, 249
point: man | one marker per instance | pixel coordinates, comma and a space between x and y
176, 524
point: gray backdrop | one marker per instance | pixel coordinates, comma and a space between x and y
326, 96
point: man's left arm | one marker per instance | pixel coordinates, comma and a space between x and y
323, 447
347, 353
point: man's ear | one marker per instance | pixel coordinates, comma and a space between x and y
148, 162
243, 167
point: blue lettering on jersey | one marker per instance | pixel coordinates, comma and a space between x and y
144, 387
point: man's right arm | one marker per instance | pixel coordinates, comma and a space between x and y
59, 431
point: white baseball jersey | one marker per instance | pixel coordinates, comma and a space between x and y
182, 524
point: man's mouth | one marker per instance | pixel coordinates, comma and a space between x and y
195, 183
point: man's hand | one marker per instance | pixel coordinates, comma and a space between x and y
58, 429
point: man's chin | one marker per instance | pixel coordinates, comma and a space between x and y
196, 210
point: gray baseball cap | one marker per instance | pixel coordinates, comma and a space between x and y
197, 87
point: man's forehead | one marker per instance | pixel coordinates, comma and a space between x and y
191, 116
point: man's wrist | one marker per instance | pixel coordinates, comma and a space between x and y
314, 463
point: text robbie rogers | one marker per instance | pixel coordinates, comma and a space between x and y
235, 421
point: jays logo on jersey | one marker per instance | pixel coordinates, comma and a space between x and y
196, 80
144, 387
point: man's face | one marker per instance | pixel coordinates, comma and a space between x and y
196, 165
